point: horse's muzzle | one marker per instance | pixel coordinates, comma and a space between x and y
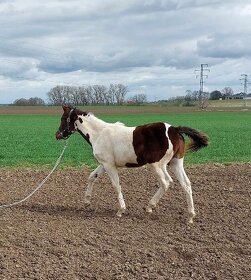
59, 135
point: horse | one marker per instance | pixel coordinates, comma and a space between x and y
116, 145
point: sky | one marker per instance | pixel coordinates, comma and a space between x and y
151, 46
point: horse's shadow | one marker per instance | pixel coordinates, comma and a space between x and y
66, 211
87, 212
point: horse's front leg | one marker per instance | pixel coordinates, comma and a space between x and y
91, 180
113, 174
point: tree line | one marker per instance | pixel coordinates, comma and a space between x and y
88, 95
33, 101
85, 95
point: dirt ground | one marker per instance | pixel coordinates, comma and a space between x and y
51, 110
54, 236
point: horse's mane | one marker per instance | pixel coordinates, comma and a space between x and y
119, 123
116, 123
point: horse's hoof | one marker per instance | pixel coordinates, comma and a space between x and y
87, 203
149, 209
190, 219
120, 212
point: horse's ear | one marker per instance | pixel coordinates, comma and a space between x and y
64, 107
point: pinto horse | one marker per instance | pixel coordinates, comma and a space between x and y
116, 145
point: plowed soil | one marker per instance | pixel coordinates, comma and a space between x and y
54, 236
51, 110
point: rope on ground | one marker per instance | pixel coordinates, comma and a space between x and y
41, 184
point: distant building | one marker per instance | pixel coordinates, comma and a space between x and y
237, 96
241, 96
248, 96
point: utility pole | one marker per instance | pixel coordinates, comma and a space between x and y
203, 68
245, 87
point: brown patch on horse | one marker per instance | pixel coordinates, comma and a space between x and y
198, 140
150, 143
178, 142
86, 137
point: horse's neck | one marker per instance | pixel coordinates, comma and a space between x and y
94, 126
96, 123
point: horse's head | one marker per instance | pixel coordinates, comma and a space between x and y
67, 125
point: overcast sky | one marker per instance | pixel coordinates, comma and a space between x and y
151, 46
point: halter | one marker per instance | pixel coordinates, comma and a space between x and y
69, 119
67, 129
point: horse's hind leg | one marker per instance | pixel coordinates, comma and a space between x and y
164, 179
178, 169
91, 180
167, 176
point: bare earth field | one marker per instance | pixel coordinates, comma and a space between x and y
54, 236
52, 110
48, 110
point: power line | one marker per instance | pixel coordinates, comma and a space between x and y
203, 68
245, 87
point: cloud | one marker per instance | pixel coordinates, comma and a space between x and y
228, 45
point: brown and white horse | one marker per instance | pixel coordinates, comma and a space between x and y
116, 145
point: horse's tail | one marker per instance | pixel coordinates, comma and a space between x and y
199, 139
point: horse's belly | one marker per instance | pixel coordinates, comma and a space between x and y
123, 156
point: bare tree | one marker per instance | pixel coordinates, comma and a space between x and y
111, 93
139, 98
67, 94
36, 101
99, 94
33, 101
120, 93
21, 102
227, 93
75, 96
82, 95
55, 95
89, 94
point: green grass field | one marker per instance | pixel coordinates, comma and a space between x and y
29, 140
